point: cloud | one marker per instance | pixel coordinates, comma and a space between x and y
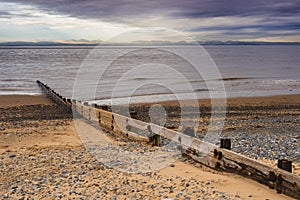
130, 9
198, 18
257, 27
28, 23
233, 8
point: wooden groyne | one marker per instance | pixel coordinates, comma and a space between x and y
215, 157
57, 98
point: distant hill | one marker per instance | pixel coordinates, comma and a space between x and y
246, 43
43, 44
145, 43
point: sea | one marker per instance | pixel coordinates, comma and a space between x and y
147, 74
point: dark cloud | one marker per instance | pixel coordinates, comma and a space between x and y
258, 34
4, 14
216, 8
272, 15
258, 27
253, 31
127, 9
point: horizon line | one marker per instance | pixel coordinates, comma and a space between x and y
138, 43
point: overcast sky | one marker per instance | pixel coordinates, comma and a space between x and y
99, 20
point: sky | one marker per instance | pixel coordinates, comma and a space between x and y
84, 21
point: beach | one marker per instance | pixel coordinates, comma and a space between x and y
149, 100
42, 157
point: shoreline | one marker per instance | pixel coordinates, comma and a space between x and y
24, 99
234, 101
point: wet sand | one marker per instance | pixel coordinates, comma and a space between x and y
240, 101
43, 157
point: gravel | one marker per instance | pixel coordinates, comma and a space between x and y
43, 177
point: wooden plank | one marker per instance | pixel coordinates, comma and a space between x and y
136, 137
106, 121
78, 108
94, 116
120, 124
225, 160
105, 113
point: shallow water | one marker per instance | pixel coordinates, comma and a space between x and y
245, 71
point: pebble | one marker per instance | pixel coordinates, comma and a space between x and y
178, 195
62, 165
72, 192
184, 159
58, 196
12, 155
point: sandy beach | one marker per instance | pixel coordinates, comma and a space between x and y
42, 156
113, 100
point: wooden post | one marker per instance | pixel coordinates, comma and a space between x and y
285, 165
90, 110
103, 107
155, 138
112, 122
225, 143
99, 118
133, 114
54, 96
128, 127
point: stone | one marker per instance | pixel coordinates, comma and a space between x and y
12, 155
62, 165
178, 195
72, 192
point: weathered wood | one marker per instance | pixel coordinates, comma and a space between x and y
156, 140
285, 165
229, 161
54, 96
133, 114
225, 143
106, 114
94, 116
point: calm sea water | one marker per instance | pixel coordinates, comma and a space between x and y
245, 71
